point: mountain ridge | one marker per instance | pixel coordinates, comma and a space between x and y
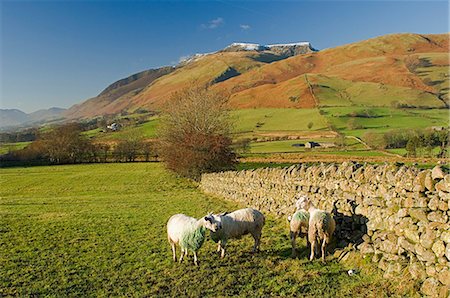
383, 67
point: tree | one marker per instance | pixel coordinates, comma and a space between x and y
443, 137
412, 145
64, 144
128, 148
242, 146
148, 150
375, 140
195, 132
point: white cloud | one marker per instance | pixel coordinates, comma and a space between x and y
245, 27
213, 24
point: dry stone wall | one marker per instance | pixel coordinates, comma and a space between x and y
398, 214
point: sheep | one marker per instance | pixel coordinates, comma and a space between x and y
321, 226
236, 224
298, 224
189, 233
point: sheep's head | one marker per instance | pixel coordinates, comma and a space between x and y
212, 222
303, 202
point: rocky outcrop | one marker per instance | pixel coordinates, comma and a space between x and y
285, 50
399, 215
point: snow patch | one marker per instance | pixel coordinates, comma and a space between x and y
258, 47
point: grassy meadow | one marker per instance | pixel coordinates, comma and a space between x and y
8, 147
99, 230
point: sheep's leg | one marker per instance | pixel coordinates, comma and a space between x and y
183, 252
195, 259
257, 237
313, 248
218, 247
293, 237
222, 245
173, 251
324, 246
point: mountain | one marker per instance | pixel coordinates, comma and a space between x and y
14, 117
150, 88
408, 70
116, 96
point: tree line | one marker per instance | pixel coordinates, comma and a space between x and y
65, 144
417, 142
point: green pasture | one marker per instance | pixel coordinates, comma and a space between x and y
9, 147
285, 146
271, 120
334, 91
145, 130
385, 119
99, 230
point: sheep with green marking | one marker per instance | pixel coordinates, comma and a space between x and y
298, 224
321, 226
189, 233
236, 224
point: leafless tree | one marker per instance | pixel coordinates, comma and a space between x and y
195, 132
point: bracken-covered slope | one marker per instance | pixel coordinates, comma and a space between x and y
403, 69
391, 70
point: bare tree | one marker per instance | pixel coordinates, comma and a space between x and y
195, 132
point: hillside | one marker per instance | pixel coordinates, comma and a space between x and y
117, 95
14, 117
391, 63
397, 70
151, 88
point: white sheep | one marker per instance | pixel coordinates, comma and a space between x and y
298, 224
321, 226
239, 223
189, 233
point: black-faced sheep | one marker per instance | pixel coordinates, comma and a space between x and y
321, 226
189, 233
239, 223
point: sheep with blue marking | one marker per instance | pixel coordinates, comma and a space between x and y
321, 226
298, 224
189, 233
236, 224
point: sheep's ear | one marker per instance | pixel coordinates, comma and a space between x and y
224, 213
207, 218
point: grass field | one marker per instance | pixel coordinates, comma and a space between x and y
146, 130
257, 120
334, 91
7, 147
386, 119
99, 230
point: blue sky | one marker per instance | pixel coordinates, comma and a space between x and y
59, 53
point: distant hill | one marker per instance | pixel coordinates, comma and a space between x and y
14, 117
397, 70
